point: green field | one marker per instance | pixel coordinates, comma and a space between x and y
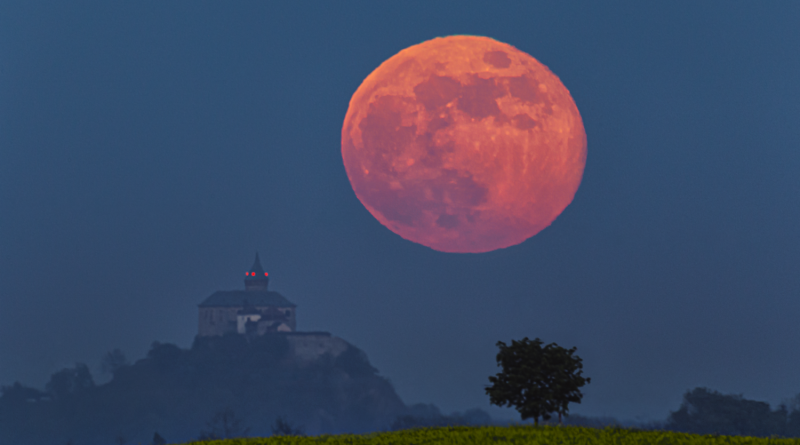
550, 435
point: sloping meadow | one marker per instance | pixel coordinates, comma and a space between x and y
550, 435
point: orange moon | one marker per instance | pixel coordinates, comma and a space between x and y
463, 144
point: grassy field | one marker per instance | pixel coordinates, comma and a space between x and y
550, 435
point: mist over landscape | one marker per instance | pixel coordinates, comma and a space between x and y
149, 150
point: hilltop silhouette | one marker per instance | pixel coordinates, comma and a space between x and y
177, 392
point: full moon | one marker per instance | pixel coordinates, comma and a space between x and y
463, 144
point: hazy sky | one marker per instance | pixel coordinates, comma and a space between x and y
148, 149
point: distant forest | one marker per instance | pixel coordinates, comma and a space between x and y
226, 386
704, 411
236, 386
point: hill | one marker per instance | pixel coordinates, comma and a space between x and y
311, 380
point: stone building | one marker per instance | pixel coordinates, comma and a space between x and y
252, 311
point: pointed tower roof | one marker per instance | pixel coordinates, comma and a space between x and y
257, 266
256, 278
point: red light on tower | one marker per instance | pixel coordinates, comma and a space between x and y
265, 274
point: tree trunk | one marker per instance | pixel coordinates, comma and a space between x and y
559, 419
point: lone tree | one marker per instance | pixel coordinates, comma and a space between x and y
224, 425
537, 381
113, 361
282, 427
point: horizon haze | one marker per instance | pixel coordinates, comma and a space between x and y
148, 150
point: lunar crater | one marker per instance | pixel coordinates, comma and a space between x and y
498, 59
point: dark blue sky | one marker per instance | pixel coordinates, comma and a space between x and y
148, 149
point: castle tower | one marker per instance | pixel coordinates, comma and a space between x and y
255, 310
256, 279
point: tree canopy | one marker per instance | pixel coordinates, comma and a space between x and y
537, 380
182, 393
704, 411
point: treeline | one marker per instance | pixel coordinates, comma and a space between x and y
222, 386
704, 411
235, 386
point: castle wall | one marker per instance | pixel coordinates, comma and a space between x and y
221, 320
216, 320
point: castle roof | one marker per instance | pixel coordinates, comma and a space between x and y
249, 309
257, 272
256, 279
242, 298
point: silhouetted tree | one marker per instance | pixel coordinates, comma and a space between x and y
792, 407
704, 411
70, 381
224, 425
282, 427
112, 361
18, 393
165, 355
172, 385
537, 381
158, 440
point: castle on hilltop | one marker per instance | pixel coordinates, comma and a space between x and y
252, 311
257, 311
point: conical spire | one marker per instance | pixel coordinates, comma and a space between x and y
256, 278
